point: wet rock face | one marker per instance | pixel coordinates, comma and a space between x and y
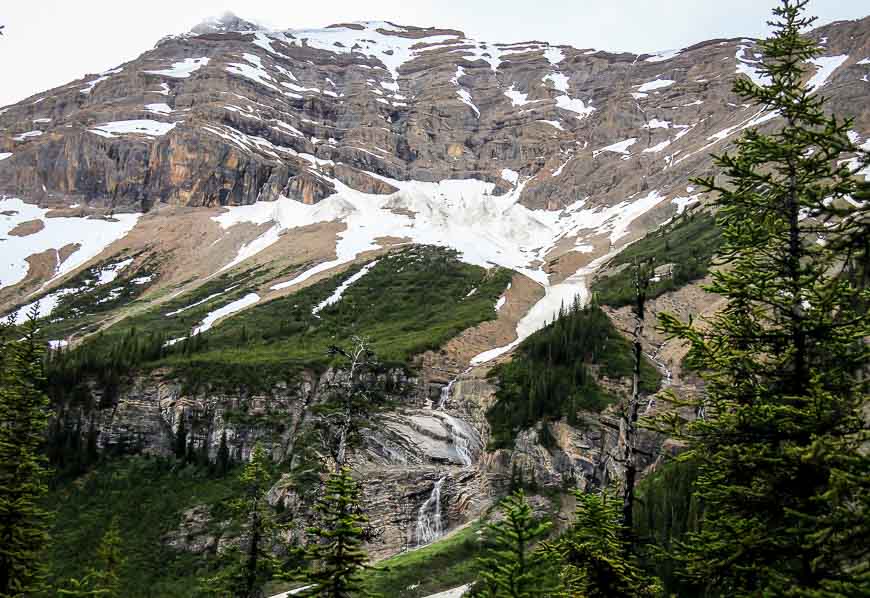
230, 113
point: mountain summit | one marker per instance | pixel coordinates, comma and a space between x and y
224, 23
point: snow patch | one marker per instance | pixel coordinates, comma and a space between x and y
253, 70
110, 272
655, 84
89, 86
620, 147
684, 202
559, 81
92, 236
27, 135
463, 93
655, 123
574, 105
158, 108
200, 302
746, 66
657, 147
227, 310
151, 128
826, 65
183, 69
554, 55
663, 55
339, 292
517, 98
511, 176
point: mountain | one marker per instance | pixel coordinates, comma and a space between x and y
199, 225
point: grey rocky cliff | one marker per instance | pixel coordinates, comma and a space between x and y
244, 113
432, 439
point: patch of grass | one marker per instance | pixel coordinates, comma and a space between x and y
410, 302
556, 373
689, 242
146, 497
442, 565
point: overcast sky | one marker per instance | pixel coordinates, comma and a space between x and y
51, 42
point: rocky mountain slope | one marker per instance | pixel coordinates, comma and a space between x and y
231, 202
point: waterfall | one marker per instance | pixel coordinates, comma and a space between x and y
461, 444
445, 392
459, 438
429, 524
654, 357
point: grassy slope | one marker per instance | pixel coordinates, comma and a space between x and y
411, 301
442, 565
689, 242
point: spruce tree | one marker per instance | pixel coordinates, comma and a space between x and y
642, 273
249, 565
594, 556
222, 464
335, 549
23, 428
104, 579
513, 566
783, 478
180, 445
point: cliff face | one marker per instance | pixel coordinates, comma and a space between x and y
231, 113
424, 467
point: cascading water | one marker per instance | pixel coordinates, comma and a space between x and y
458, 437
429, 524
461, 444
666, 373
445, 392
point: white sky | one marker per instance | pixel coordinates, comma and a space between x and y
51, 42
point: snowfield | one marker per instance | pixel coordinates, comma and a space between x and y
91, 235
487, 230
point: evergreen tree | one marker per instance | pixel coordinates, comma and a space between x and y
513, 566
223, 456
335, 550
180, 446
23, 428
783, 478
103, 580
594, 556
248, 566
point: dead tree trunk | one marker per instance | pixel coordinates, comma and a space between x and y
642, 274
